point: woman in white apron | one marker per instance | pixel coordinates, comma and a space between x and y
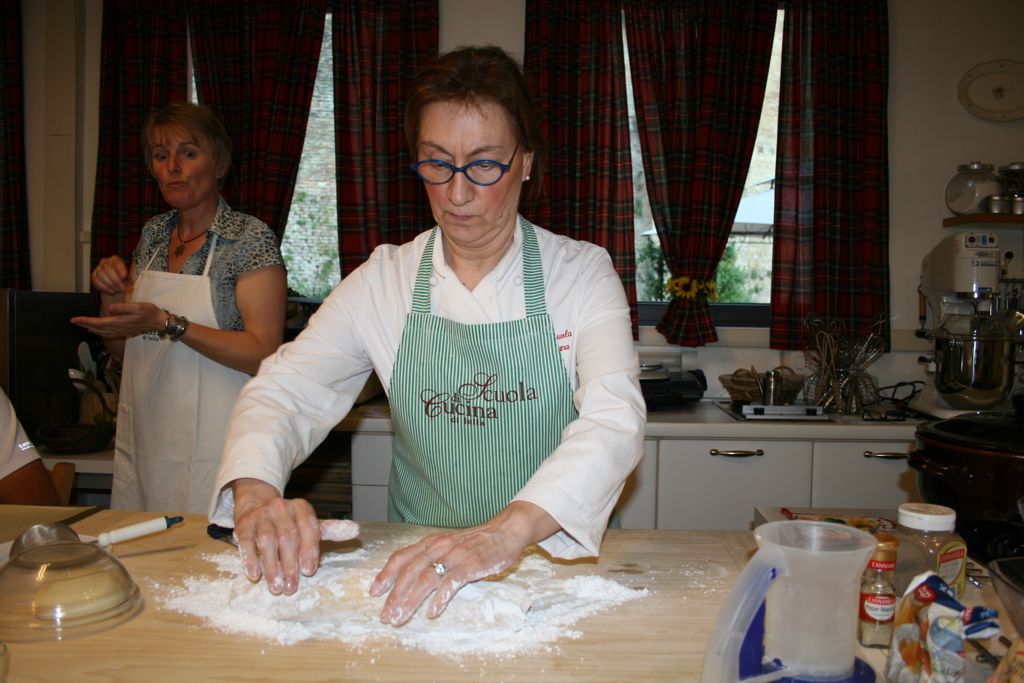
202, 304
507, 356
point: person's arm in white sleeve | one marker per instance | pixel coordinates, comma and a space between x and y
300, 393
581, 481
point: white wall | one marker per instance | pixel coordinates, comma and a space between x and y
51, 84
482, 22
932, 44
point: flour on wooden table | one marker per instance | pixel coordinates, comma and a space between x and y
529, 608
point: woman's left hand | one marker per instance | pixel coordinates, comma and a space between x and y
443, 563
124, 320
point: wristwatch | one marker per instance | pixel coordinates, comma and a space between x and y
174, 328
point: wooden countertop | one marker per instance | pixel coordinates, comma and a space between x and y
659, 637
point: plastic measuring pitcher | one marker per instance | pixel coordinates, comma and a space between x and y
792, 614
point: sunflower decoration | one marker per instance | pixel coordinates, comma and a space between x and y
678, 287
685, 287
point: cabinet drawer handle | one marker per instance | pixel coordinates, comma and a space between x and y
886, 456
737, 454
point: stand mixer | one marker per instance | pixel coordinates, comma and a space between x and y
975, 332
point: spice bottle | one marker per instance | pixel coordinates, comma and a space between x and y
928, 542
878, 595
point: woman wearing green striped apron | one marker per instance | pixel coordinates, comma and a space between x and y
507, 356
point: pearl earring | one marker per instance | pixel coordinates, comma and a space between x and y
526, 178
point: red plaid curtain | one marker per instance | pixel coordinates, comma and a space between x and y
831, 198
378, 48
699, 72
14, 261
576, 70
142, 68
255, 63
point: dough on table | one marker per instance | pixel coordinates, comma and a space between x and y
338, 530
341, 595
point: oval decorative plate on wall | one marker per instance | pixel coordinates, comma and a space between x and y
994, 90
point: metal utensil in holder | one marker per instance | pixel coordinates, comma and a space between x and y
839, 379
772, 388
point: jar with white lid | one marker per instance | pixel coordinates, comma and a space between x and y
928, 542
972, 184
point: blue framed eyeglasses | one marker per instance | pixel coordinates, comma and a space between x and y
480, 172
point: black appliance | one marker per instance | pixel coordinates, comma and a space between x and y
38, 343
673, 390
974, 463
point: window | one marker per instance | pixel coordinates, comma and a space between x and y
744, 274
310, 242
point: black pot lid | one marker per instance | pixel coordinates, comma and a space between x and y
990, 430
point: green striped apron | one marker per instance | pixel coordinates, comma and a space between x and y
476, 408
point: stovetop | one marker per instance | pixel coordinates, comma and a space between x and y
758, 411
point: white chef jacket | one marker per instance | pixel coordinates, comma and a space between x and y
16, 450
307, 387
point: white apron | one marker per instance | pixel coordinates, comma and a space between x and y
174, 404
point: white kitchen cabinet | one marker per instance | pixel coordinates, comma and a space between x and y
371, 466
637, 504
716, 483
863, 474
678, 484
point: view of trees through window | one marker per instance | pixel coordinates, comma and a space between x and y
310, 244
745, 271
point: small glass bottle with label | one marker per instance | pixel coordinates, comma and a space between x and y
929, 542
878, 595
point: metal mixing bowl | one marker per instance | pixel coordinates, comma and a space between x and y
974, 372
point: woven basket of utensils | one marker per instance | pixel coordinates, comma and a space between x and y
747, 385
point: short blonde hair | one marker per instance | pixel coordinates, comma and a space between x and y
198, 120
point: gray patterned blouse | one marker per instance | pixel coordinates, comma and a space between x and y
244, 244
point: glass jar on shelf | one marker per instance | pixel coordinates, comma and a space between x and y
973, 183
1012, 178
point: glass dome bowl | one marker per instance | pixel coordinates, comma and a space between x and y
62, 590
1008, 579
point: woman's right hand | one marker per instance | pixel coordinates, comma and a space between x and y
111, 276
277, 538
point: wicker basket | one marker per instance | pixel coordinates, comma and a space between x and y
93, 433
746, 387
78, 438
96, 408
